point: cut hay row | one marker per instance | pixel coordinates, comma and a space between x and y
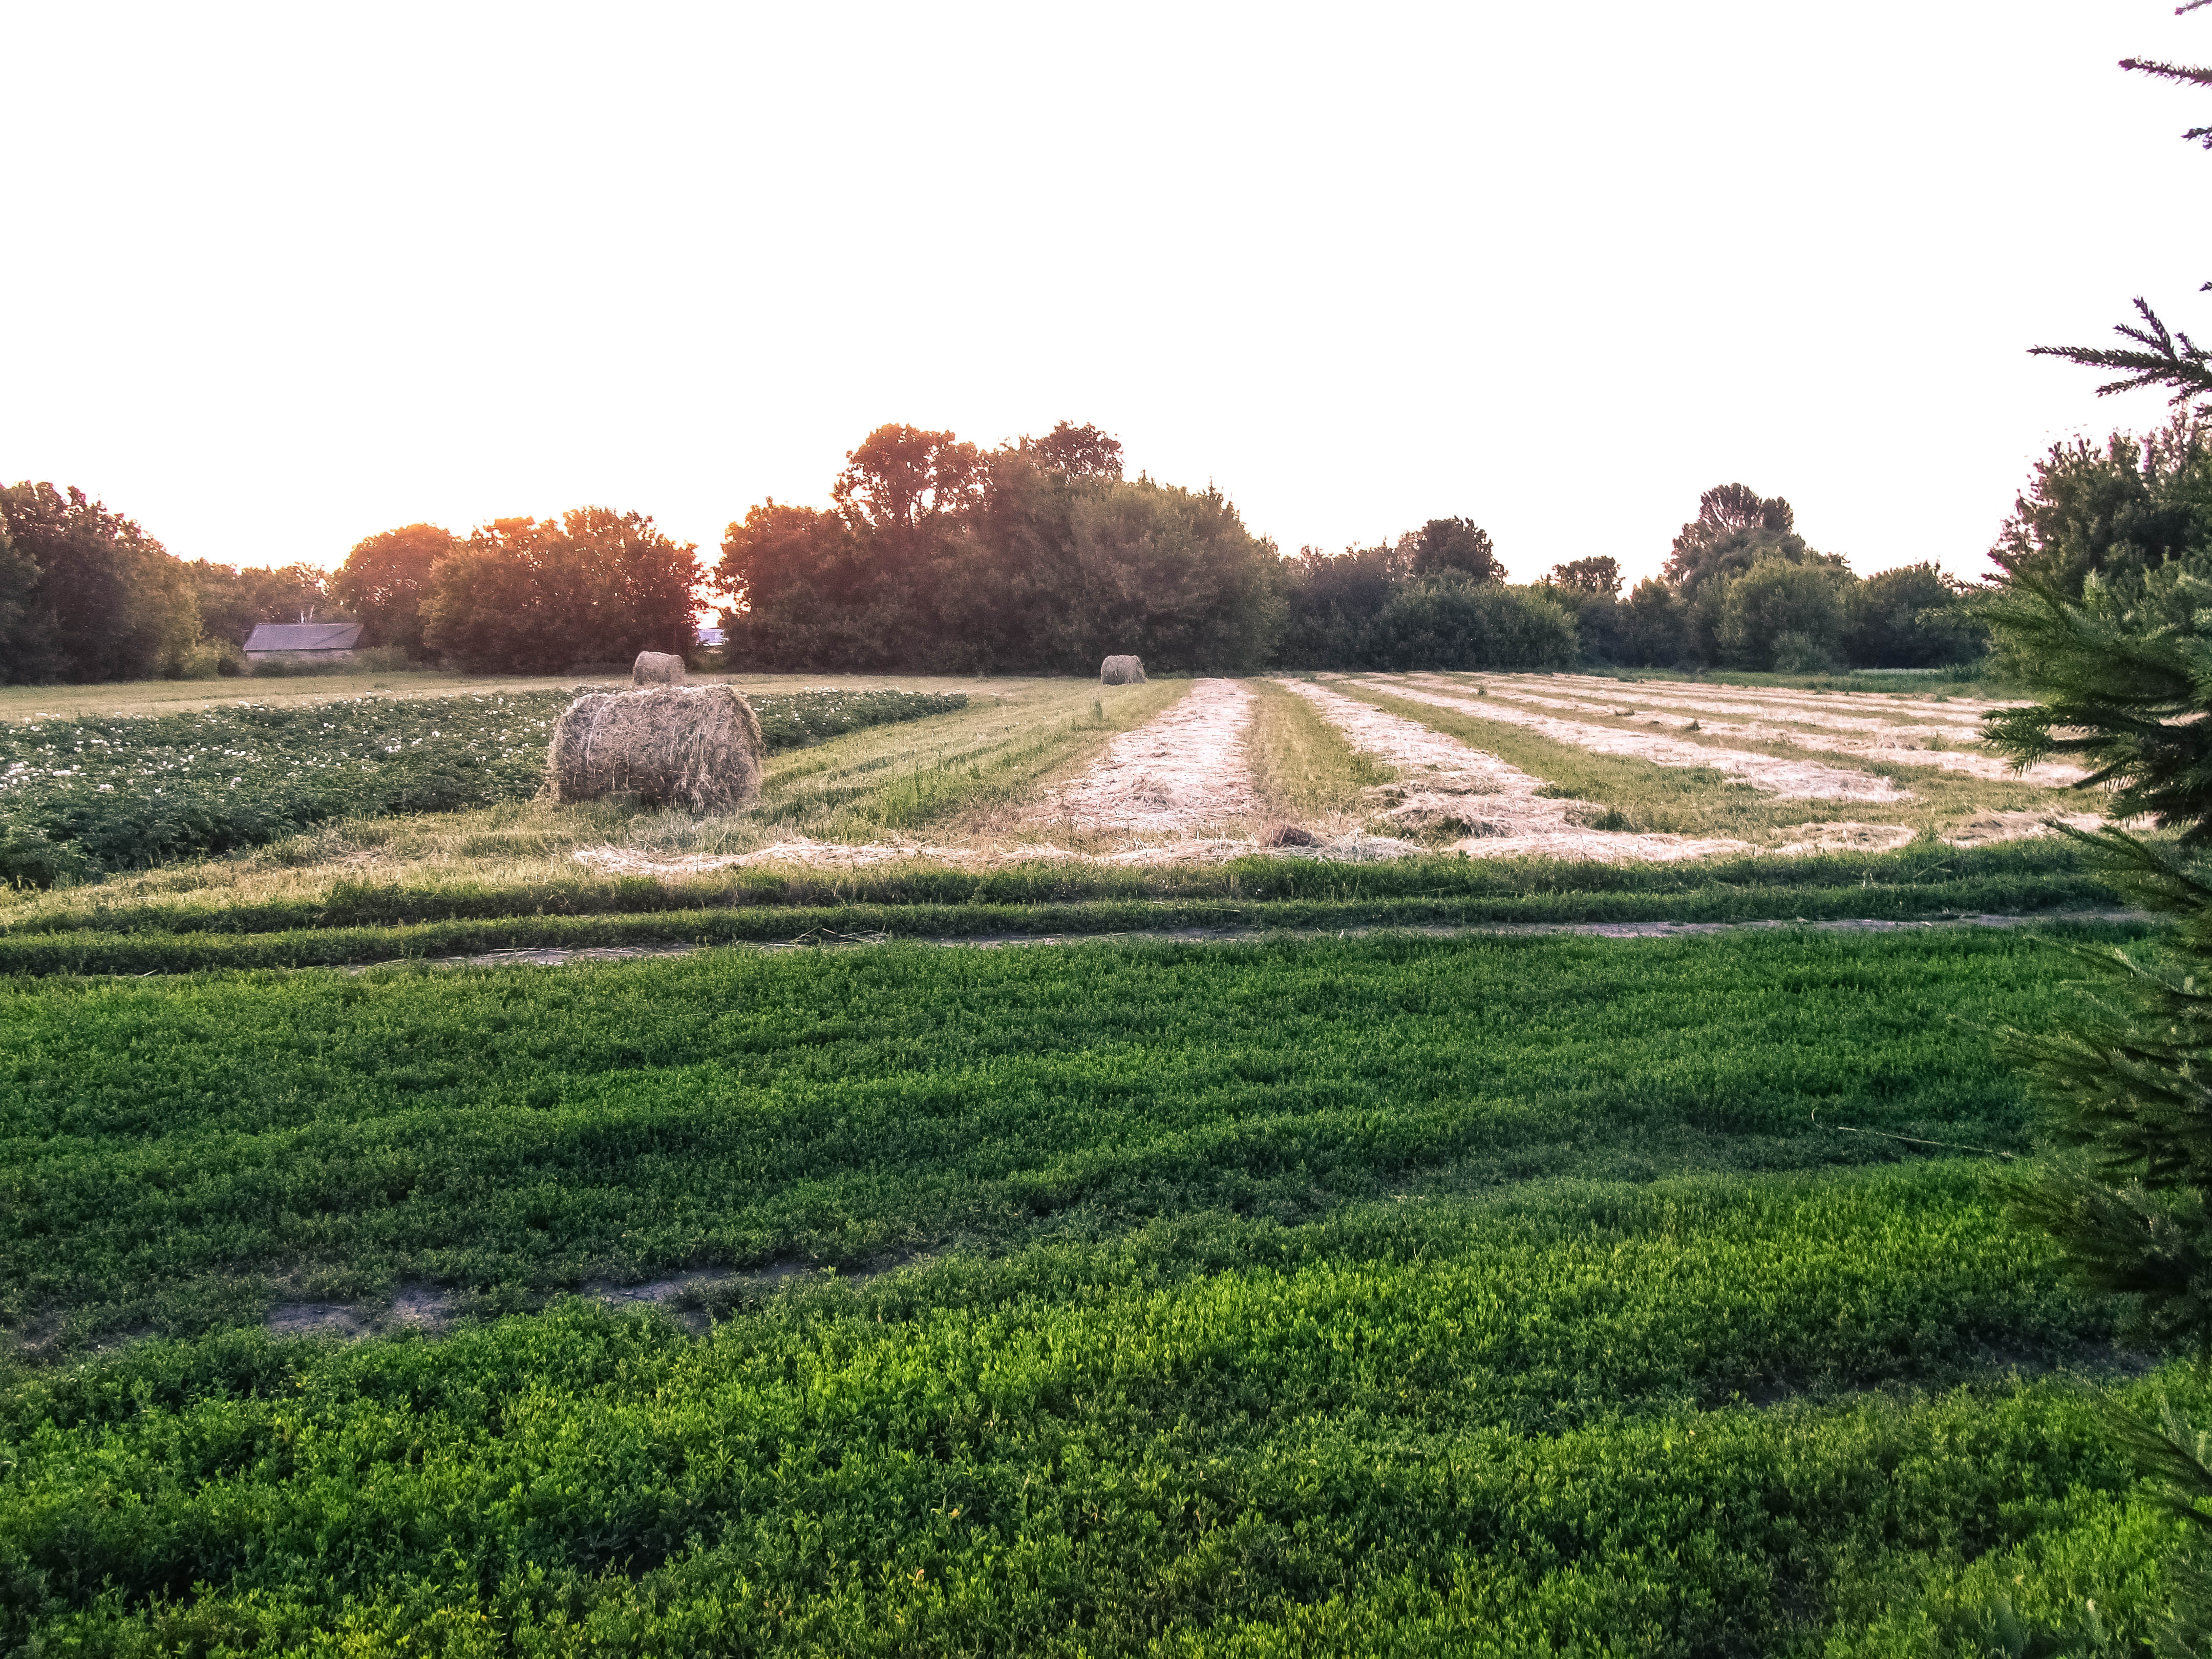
1915, 703
1177, 774
1899, 745
1785, 780
1933, 722
1442, 779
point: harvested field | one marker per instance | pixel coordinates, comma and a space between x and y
1785, 780
1183, 771
1901, 742
1441, 776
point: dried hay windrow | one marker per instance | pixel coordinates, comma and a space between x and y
1785, 780
1445, 784
697, 747
1882, 741
1185, 768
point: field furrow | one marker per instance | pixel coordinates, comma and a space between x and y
1785, 780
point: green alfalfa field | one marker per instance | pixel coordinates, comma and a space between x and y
1288, 1293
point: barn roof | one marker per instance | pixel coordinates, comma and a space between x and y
304, 636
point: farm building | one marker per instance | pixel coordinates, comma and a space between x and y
303, 642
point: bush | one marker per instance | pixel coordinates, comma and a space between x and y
1451, 622
1778, 605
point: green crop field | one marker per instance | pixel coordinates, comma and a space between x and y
1381, 1295
849, 1271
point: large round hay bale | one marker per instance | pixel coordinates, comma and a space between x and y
669, 745
656, 668
1121, 671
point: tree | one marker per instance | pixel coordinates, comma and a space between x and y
20, 635
107, 600
1735, 529
1652, 629
1460, 544
234, 599
386, 579
1784, 615
537, 596
1914, 617
1078, 452
2120, 670
1453, 620
2128, 504
1600, 574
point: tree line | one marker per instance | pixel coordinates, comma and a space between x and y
1041, 557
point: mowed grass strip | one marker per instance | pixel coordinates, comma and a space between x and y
2021, 876
1511, 1430
182, 1155
1303, 769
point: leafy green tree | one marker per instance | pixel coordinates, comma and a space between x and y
106, 601
1599, 575
1783, 615
1735, 529
1456, 544
1652, 628
540, 595
2129, 504
386, 579
1914, 617
1453, 620
18, 582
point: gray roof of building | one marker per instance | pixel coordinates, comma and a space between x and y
304, 636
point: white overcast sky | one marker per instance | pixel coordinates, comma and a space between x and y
283, 276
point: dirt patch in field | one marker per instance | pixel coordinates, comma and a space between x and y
1874, 739
1442, 779
316, 1319
1179, 773
1785, 780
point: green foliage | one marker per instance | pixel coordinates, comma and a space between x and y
2118, 509
1913, 616
1037, 557
1344, 1296
1459, 546
386, 579
2122, 683
103, 600
125, 792
173, 1150
1452, 622
522, 596
1784, 615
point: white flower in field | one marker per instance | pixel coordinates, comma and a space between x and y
107, 786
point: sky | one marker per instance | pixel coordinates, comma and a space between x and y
283, 276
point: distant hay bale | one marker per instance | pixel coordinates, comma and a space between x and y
1121, 671
669, 745
1288, 834
656, 668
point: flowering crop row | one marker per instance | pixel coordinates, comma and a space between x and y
82, 796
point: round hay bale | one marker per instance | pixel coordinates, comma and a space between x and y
1121, 671
656, 668
669, 745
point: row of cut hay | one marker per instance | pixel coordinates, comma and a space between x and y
1899, 745
1785, 780
1959, 726
1443, 783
